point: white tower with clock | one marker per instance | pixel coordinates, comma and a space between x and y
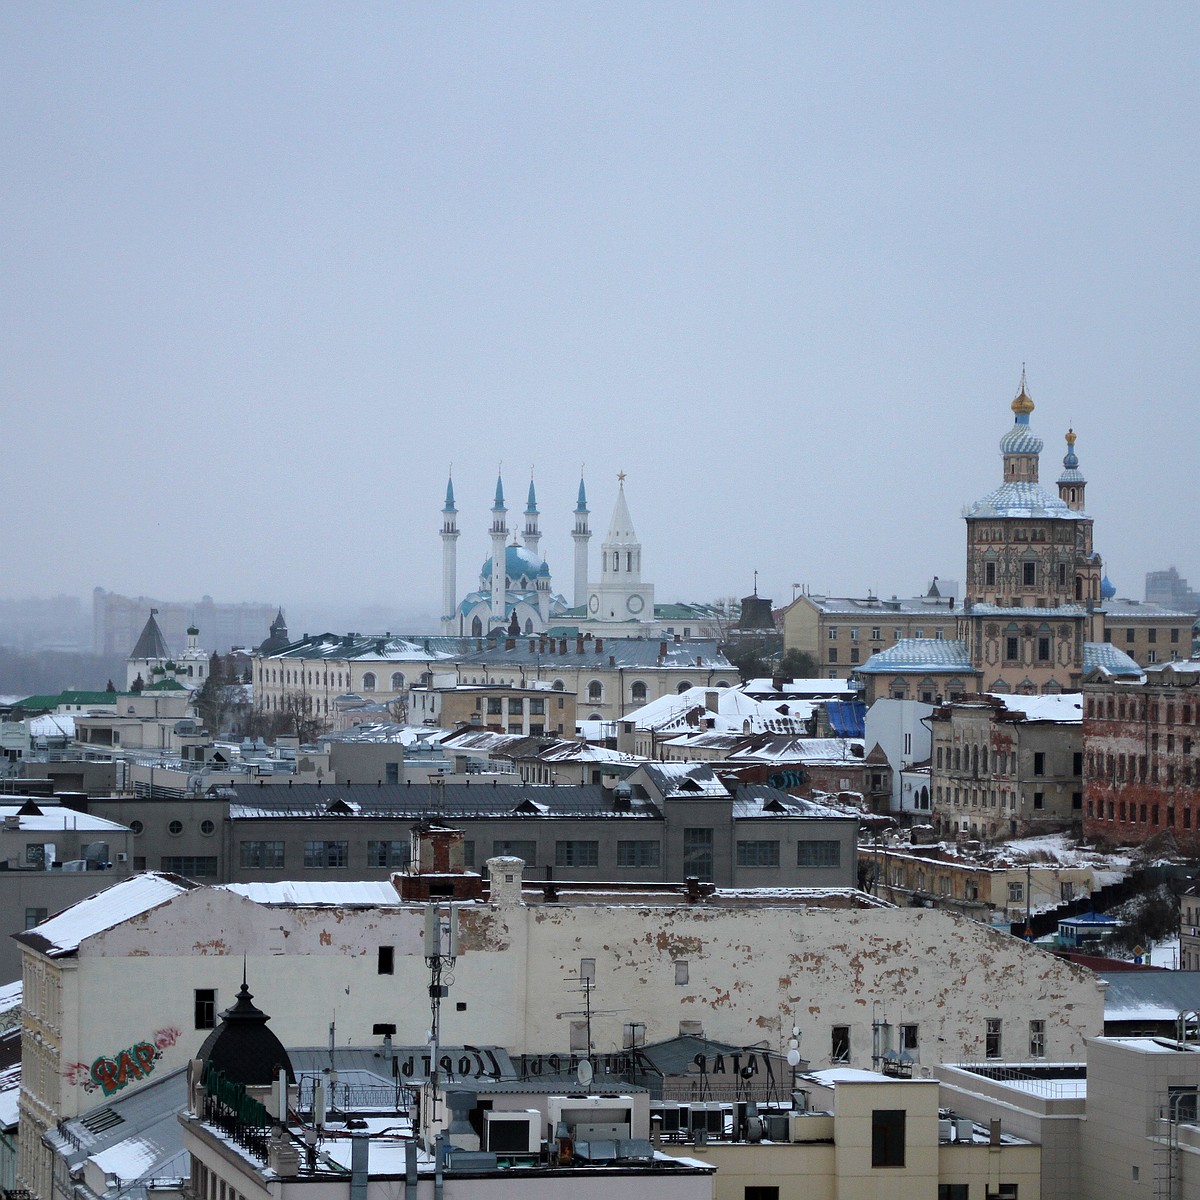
620, 595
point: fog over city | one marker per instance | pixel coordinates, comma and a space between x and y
270, 270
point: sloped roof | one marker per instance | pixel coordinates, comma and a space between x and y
928, 655
1020, 498
151, 644
1106, 658
65, 932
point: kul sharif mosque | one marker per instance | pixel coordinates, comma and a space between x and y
617, 604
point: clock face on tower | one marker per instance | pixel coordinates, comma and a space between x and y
594, 603
635, 604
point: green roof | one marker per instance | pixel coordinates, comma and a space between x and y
53, 701
167, 685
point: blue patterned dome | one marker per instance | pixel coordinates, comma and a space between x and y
519, 563
1020, 439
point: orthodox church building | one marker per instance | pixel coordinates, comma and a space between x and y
619, 602
1033, 618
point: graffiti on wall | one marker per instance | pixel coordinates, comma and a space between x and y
110, 1073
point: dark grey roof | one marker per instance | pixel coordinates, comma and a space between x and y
151, 644
450, 801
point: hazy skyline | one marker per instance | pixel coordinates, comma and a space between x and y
269, 270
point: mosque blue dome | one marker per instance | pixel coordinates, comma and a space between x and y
519, 563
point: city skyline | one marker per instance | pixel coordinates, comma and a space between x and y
269, 274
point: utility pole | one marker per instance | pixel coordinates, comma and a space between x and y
441, 951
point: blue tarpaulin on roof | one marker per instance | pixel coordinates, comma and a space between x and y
847, 718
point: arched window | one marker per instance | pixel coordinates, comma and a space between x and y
684, 685
637, 693
368, 682
397, 680
528, 625
595, 692
559, 686
476, 627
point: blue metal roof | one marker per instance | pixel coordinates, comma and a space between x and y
1020, 439
1106, 657
931, 655
1019, 498
847, 718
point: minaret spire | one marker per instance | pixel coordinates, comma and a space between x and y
499, 555
449, 559
532, 534
582, 534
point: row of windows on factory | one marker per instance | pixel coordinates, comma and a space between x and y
1138, 708
1135, 768
1132, 813
568, 852
974, 759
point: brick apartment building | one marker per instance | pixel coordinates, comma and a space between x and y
1142, 756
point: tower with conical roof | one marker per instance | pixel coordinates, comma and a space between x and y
499, 535
582, 535
1071, 482
620, 595
532, 535
149, 652
449, 559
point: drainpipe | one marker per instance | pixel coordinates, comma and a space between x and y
439, 1150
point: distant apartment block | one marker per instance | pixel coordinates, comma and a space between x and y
117, 622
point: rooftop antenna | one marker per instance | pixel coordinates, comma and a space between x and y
441, 951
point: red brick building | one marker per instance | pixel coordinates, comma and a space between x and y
1141, 747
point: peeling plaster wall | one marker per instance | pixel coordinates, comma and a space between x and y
751, 971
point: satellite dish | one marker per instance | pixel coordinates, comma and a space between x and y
584, 1072
793, 1057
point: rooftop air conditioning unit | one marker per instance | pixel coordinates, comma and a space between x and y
512, 1132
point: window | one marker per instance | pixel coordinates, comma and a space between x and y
587, 969
908, 1038
516, 705
698, 854
854, 633
137, 827
191, 865
386, 964
637, 693
1037, 1039
818, 854
1012, 649
839, 1043
887, 1137
833, 654
175, 828
639, 854
35, 916
391, 773
326, 854
1130, 635
261, 855
526, 851
833, 633
681, 972
875, 633
953, 1191
1039, 800
397, 681
758, 854
537, 708
207, 828
368, 683
389, 854
1029, 574
991, 1048
1182, 1102
854, 654
494, 706
1043, 649
595, 692
206, 1008
1152, 635
989, 574
1039, 762
576, 854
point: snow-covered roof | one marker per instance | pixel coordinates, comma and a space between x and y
1150, 995
319, 893
731, 703
52, 725
63, 933
812, 751
928, 655
52, 818
1107, 659
1064, 707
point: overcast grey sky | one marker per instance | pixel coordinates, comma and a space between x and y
268, 269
